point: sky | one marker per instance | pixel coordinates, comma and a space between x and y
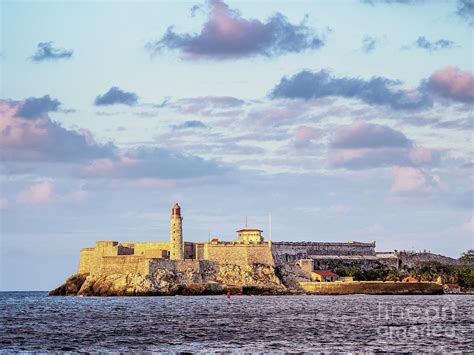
344, 120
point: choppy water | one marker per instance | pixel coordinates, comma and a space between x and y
31, 321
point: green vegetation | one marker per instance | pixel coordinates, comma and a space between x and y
428, 271
375, 274
462, 275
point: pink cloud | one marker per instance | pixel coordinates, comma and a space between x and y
364, 145
226, 34
380, 157
41, 139
20, 135
110, 167
304, 136
38, 194
408, 180
43, 193
420, 155
153, 163
453, 83
367, 135
413, 182
341, 157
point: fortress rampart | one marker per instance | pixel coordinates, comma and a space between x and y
122, 265
109, 257
240, 254
371, 287
293, 251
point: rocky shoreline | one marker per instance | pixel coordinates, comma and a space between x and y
256, 279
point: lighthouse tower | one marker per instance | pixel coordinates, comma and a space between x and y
176, 234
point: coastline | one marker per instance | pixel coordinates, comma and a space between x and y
79, 285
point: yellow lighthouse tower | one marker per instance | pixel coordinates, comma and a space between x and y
176, 234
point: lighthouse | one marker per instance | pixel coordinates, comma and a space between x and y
176, 234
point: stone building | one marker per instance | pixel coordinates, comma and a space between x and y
249, 236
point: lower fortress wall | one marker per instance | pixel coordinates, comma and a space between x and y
371, 287
138, 264
122, 264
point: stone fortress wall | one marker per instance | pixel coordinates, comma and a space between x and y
112, 257
240, 254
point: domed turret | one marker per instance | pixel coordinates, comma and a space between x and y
176, 211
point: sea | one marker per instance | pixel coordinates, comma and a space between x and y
34, 322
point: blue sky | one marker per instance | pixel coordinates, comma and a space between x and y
110, 112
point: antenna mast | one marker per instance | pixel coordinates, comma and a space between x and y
270, 226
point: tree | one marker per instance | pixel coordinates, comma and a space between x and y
467, 257
465, 276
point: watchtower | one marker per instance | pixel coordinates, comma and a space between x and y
176, 234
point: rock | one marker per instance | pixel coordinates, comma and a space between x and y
213, 279
71, 287
291, 275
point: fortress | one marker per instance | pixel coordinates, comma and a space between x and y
249, 248
247, 265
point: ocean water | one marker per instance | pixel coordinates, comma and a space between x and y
32, 321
